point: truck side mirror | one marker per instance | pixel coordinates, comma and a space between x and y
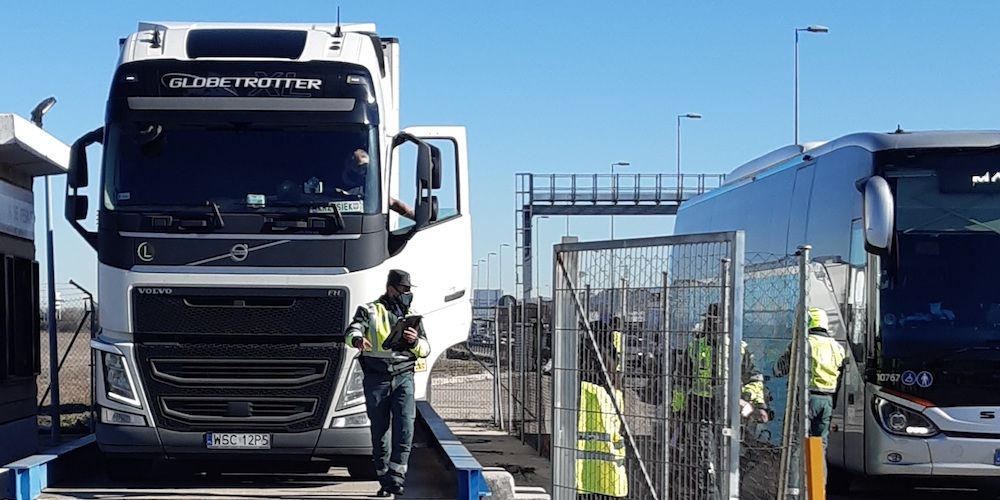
879, 215
76, 178
435, 167
425, 184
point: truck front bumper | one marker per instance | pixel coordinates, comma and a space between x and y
347, 443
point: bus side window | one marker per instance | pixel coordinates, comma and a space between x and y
856, 293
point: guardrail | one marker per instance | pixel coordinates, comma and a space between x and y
468, 471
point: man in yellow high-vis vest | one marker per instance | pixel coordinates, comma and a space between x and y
388, 377
600, 445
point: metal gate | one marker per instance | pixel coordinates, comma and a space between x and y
646, 367
464, 382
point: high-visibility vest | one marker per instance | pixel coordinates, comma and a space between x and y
600, 447
379, 330
700, 353
826, 356
753, 386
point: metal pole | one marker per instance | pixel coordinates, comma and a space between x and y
510, 374
796, 87
539, 417
497, 404
735, 316
661, 409
53, 337
680, 191
804, 368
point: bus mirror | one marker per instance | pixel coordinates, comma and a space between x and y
76, 177
878, 215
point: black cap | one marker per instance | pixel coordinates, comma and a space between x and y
399, 277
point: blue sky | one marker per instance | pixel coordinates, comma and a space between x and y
559, 87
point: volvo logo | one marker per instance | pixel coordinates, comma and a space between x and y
155, 291
144, 251
239, 252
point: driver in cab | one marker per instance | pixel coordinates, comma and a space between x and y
352, 181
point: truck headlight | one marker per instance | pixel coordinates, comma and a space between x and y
901, 421
117, 380
354, 389
356, 420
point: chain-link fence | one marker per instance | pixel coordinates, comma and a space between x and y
76, 319
465, 382
645, 367
771, 300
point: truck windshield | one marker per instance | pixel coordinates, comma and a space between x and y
242, 167
940, 300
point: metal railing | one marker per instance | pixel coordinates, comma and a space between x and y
620, 188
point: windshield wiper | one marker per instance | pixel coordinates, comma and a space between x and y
218, 214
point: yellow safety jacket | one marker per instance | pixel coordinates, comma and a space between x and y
827, 357
600, 447
700, 354
374, 322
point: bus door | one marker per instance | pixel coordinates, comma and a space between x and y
823, 294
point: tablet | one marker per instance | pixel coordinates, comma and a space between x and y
395, 342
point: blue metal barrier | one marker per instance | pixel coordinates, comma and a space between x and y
468, 470
26, 478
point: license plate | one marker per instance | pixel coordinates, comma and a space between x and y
237, 441
996, 457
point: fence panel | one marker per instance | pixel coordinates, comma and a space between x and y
771, 298
645, 367
75, 321
464, 382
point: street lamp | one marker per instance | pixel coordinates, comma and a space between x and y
614, 190
680, 183
815, 28
36, 117
488, 268
500, 264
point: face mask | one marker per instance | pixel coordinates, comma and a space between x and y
405, 299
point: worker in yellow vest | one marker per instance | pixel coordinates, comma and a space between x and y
600, 459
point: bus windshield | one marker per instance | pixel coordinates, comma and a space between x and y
940, 305
242, 167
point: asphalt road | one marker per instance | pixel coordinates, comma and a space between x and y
902, 489
424, 482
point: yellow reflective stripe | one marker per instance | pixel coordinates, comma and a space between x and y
593, 436
597, 455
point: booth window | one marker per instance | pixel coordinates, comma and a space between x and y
20, 312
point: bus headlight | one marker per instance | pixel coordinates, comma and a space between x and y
354, 389
117, 381
902, 421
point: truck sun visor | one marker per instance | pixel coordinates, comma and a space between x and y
279, 44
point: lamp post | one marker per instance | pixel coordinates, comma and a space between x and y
680, 182
36, 117
500, 264
614, 190
488, 268
815, 28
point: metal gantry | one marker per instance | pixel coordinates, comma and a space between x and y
595, 194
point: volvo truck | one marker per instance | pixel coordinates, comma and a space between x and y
244, 204
903, 227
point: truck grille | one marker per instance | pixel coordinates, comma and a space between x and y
239, 311
260, 387
238, 372
250, 410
